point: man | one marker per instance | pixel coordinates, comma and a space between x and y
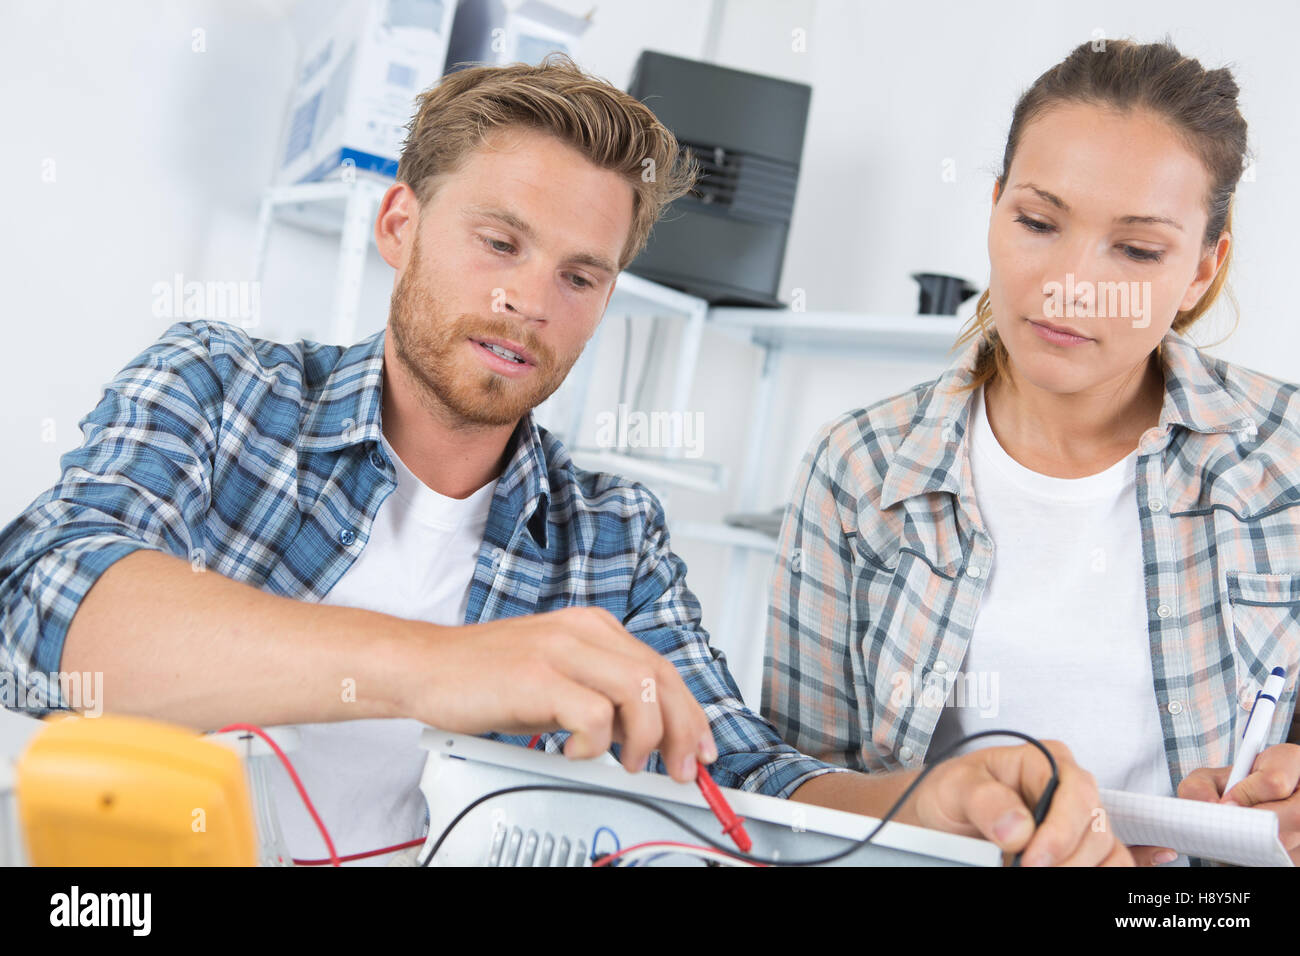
396, 542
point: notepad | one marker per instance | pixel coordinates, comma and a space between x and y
1239, 835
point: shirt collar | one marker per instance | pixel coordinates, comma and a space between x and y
347, 406
926, 460
524, 484
347, 412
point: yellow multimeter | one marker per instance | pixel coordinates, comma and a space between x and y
117, 790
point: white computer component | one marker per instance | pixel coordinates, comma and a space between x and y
546, 828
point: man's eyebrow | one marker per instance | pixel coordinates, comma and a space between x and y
508, 218
504, 216
599, 263
1061, 204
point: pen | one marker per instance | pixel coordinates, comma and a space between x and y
732, 825
1256, 729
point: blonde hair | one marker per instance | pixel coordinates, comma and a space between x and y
613, 130
1200, 104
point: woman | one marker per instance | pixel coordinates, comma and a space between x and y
1085, 529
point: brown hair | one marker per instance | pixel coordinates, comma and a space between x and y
1200, 104
613, 130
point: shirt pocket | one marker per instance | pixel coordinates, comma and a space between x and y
1265, 611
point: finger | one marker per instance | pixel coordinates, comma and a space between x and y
1205, 784
1096, 845
1074, 806
994, 809
1273, 777
685, 732
1288, 817
1152, 855
616, 676
1120, 855
586, 714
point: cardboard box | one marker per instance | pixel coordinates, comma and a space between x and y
358, 77
496, 32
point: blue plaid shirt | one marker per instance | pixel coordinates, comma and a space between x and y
262, 461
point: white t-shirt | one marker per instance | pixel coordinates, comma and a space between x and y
363, 776
1060, 648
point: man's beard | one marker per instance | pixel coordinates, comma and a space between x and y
432, 346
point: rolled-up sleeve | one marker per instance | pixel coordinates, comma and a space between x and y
665, 614
141, 479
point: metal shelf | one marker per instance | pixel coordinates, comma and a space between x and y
838, 331
321, 207
345, 209
706, 476
776, 332
725, 534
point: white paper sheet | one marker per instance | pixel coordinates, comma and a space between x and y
1240, 835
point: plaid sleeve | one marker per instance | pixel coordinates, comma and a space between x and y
663, 612
141, 479
808, 675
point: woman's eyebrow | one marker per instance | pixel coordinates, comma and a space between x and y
1061, 204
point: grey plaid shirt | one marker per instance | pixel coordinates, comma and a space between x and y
883, 558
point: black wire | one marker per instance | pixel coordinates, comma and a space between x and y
1040, 810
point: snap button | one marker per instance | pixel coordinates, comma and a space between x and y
1175, 707
796, 560
973, 572
941, 667
347, 536
905, 753
1164, 610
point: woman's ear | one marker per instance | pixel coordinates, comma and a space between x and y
1211, 261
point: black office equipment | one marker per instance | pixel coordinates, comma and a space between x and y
725, 241
942, 294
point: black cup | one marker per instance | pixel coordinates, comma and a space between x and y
941, 294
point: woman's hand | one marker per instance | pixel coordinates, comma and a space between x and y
1271, 785
988, 793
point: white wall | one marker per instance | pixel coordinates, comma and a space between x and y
160, 154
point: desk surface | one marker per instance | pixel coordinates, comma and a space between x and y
15, 730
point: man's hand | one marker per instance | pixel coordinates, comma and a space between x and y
990, 793
577, 669
1271, 785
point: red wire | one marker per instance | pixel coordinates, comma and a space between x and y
361, 856
293, 775
333, 859
611, 857
395, 847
